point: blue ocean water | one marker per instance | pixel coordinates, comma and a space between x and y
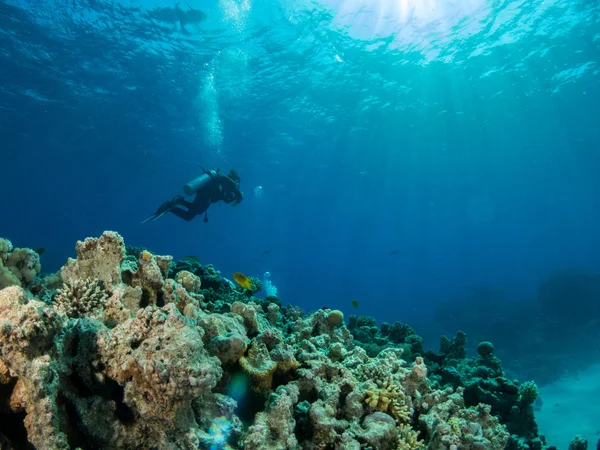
396, 152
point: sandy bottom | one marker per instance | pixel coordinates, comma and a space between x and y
571, 407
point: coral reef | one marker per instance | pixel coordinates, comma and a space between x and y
374, 339
551, 335
485, 348
484, 382
578, 443
18, 266
124, 349
82, 298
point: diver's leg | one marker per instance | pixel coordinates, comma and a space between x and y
186, 215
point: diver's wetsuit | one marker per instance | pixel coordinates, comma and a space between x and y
196, 207
221, 188
216, 188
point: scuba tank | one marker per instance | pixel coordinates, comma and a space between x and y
191, 187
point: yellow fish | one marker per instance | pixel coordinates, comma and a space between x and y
242, 280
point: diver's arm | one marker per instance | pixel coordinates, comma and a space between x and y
185, 203
228, 185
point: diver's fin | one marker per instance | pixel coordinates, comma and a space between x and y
148, 219
154, 216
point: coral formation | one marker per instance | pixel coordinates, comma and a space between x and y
133, 351
335, 318
18, 266
578, 443
559, 325
484, 382
82, 298
374, 339
450, 425
485, 348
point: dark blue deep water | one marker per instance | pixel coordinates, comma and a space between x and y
437, 161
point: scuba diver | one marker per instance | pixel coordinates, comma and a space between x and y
210, 187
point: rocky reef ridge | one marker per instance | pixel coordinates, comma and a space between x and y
124, 349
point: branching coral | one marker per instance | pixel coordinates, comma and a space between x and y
372, 371
82, 298
387, 362
528, 392
408, 439
390, 398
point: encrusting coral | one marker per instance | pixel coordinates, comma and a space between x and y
132, 351
27, 334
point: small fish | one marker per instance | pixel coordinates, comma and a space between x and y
395, 251
40, 251
242, 280
354, 303
191, 258
266, 252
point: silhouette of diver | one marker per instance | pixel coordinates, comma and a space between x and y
210, 187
